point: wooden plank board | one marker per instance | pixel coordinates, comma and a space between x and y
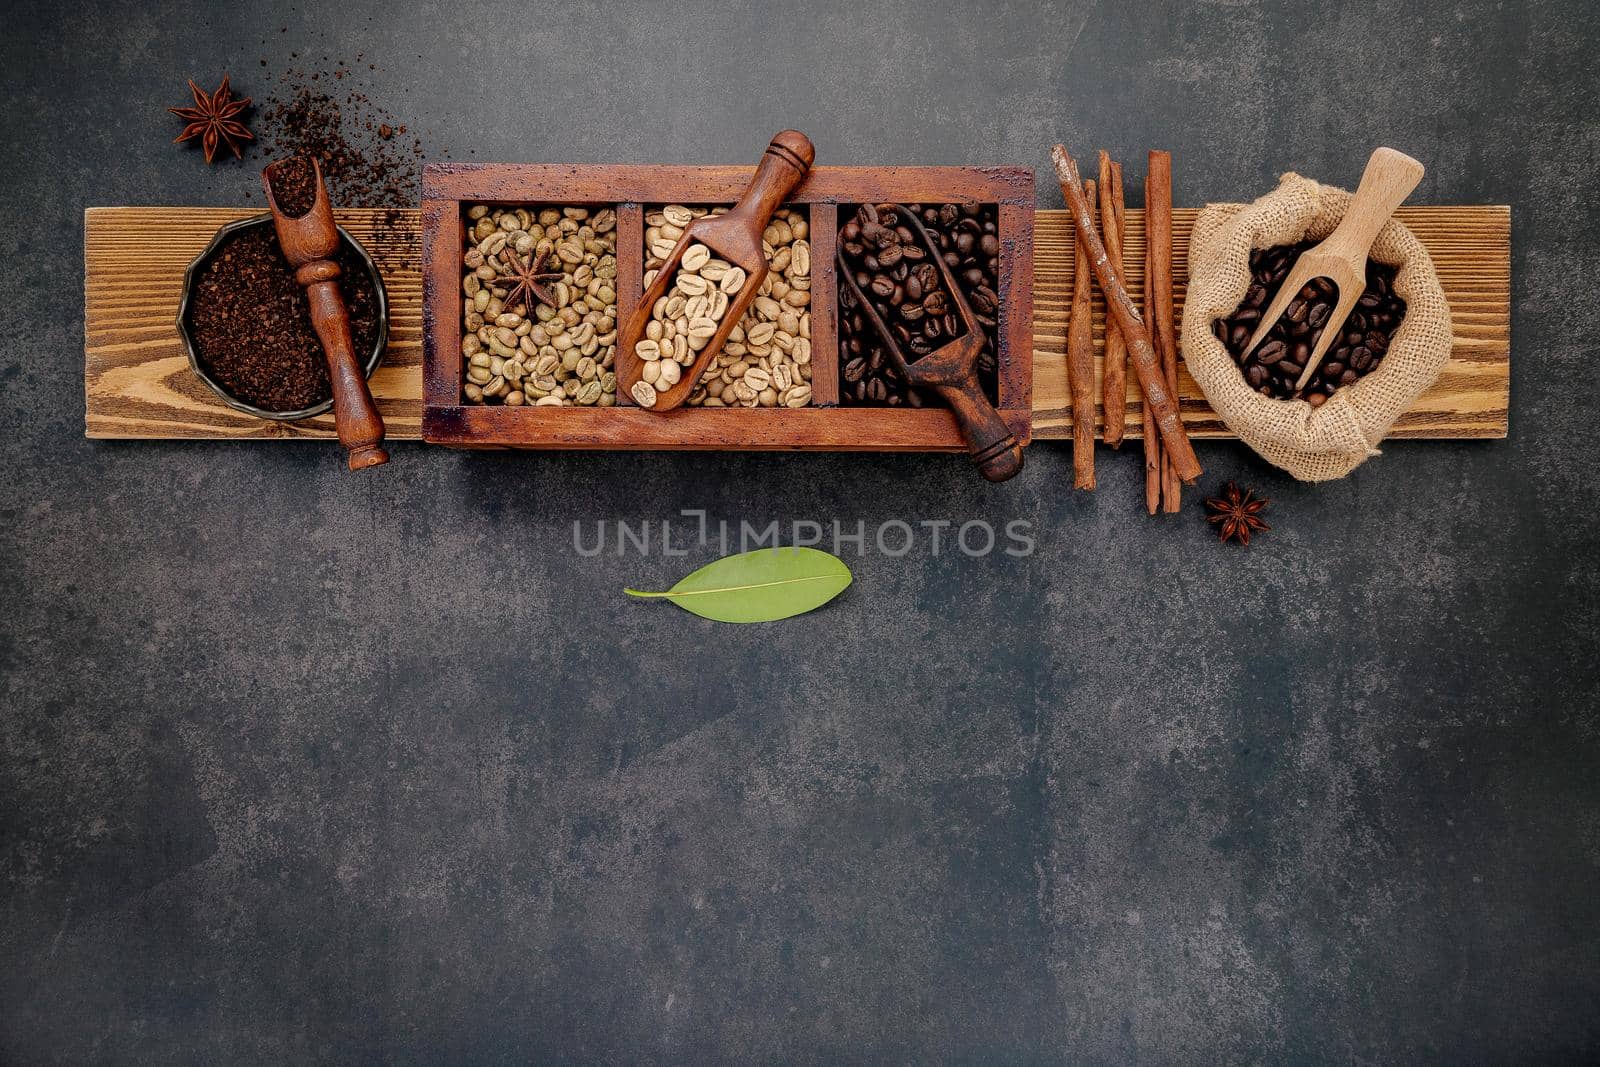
1471, 249
137, 382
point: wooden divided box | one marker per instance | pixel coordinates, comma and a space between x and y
449, 190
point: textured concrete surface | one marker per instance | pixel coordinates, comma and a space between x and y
300, 766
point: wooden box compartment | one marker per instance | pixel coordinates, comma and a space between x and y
449, 189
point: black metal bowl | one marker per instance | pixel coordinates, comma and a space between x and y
191, 278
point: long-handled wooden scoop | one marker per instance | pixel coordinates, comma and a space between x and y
1342, 256
951, 370
309, 242
735, 237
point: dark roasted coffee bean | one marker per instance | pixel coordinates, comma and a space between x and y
918, 323
1271, 352
1333, 370
854, 369
876, 389
1361, 359
1296, 311
1319, 315
1290, 369
1240, 335
1256, 376
1347, 377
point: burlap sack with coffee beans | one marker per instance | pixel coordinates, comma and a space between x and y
1313, 444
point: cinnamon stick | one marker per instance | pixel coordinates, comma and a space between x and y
1158, 237
1114, 388
1152, 441
1118, 304
1080, 363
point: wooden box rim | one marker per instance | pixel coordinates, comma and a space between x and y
447, 420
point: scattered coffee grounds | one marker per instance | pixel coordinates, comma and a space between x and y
294, 185
251, 323
361, 168
908, 291
395, 243
368, 158
1276, 364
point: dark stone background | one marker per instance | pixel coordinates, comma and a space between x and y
298, 765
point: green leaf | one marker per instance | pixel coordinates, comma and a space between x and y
761, 586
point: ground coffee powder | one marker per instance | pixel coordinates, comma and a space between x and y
251, 323
294, 186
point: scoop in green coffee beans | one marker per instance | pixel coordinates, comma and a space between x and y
557, 354
684, 320
766, 360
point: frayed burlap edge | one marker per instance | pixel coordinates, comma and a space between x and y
1313, 444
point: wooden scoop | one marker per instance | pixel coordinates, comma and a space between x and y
735, 237
1342, 256
951, 370
309, 243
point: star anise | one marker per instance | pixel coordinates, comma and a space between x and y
1239, 512
214, 119
530, 279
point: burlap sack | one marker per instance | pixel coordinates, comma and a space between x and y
1313, 444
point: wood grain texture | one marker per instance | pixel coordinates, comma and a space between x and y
137, 382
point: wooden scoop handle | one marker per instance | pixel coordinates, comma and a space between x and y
309, 242
354, 414
1388, 180
785, 163
990, 442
